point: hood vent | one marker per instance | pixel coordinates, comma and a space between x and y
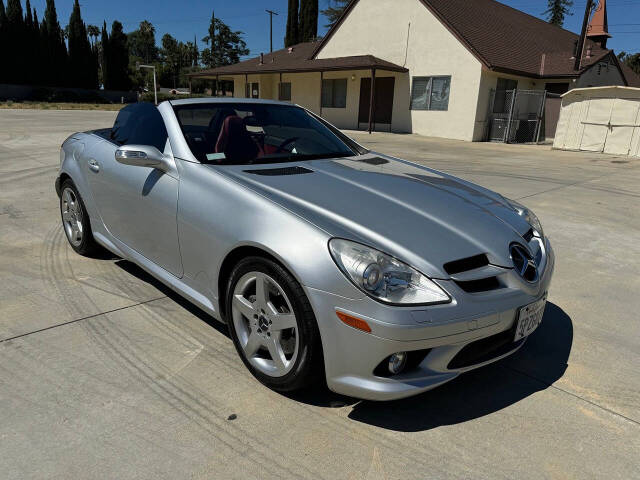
374, 161
278, 172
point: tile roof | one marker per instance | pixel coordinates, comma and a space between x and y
502, 38
505, 39
298, 60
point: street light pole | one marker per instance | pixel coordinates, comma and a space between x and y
271, 14
155, 90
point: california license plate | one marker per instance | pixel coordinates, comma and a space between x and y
529, 317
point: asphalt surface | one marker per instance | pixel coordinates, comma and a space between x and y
106, 374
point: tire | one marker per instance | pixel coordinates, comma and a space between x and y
76, 222
301, 362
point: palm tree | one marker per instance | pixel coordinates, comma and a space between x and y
148, 32
93, 32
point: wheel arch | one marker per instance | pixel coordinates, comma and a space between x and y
231, 260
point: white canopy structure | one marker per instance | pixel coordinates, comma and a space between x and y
600, 119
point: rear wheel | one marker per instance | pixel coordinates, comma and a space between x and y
273, 326
75, 221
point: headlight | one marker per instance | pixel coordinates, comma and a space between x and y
528, 215
383, 277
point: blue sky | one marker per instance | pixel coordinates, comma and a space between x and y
183, 19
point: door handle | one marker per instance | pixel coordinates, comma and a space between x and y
94, 165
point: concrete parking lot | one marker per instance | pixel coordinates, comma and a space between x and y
104, 373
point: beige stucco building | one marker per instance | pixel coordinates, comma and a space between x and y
435, 64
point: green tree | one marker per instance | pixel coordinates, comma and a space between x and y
226, 46
142, 43
334, 11
15, 34
291, 37
103, 53
53, 48
308, 22
81, 61
94, 32
557, 11
630, 60
3, 51
117, 65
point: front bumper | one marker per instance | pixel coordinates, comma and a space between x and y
440, 331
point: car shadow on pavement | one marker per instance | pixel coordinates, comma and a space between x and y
136, 271
536, 366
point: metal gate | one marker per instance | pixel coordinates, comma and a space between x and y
515, 116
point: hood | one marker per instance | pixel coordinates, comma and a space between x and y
421, 216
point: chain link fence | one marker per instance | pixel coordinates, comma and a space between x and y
516, 116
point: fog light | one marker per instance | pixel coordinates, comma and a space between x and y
397, 362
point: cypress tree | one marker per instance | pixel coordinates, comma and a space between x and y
53, 47
118, 66
15, 34
81, 60
104, 60
3, 26
292, 35
308, 23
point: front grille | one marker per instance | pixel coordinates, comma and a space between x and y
465, 264
485, 349
474, 274
476, 286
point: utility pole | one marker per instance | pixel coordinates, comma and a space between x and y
583, 35
271, 14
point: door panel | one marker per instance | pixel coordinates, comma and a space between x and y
138, 206
385, 87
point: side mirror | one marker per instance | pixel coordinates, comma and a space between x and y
143, 156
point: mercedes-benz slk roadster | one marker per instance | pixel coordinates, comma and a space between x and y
326, 261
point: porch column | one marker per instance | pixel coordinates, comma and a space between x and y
372, 100
247, 92
321, 80
217, 83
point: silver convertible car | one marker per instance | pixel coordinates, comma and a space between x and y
328, 262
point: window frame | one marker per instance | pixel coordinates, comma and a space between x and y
137, 113
429, 79
333, 103
248, 89
280, 95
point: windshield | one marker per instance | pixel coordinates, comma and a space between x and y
243, 133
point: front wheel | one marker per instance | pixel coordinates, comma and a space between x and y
273, 326
75, 220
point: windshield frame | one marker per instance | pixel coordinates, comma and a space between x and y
354, 148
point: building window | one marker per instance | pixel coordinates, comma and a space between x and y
334, 93
284, 91
504, 85
252, 90
430, 93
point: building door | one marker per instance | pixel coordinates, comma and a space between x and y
383, 101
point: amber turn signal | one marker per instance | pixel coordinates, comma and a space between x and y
354, 322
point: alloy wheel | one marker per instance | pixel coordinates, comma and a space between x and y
265, 324
71, 216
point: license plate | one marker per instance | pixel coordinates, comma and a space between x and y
529, 317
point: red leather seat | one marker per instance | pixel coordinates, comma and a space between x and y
235, 141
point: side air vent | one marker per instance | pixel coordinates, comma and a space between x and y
465, 264
277, 172
374, 161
